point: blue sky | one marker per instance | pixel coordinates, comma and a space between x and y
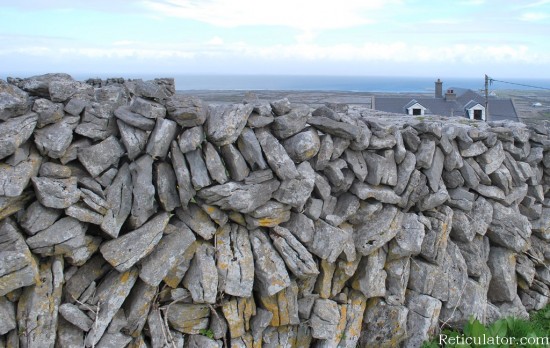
462, 38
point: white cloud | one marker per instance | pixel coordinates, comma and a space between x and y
304, 14
215, 41
533, 16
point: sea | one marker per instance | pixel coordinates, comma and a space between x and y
382, 84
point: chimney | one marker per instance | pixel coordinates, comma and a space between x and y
438, 89
450, 95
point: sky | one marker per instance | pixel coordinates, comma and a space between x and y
459, 38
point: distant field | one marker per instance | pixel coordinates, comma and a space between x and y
525, 102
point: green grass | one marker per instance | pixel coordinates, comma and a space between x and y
538, 325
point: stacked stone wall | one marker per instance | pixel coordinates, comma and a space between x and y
133, 216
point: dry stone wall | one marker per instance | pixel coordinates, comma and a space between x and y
132, 216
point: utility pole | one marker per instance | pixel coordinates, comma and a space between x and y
486, 98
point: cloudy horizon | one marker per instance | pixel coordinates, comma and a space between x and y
464, 38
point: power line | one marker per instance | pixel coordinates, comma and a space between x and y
491, 80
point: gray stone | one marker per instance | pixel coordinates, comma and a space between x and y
270, 270
119, 198
54, 170
53, 140
218, 325
259, 323
509, 228
303, 146
134, 139
381, 169
7, 316
14, 179
297, 258
453, 159
97, 158
191, 139
437, 235
235, 261
250, 149
270, 214
335, 174
114, 340
109, 297
122, 253
370, 277
188, 318
197, 220
39, 85
168, 253
147, 108
357, 163
475, 149
300, 226
423, 276
13, 101
176, 273
47, 111
68, 335
452, 277
379, 193
410, 139
226, 123
335, 128
123, 113
187, 111
290, 123
325, 111
18, 267
83, 214
214, 164
324, 319
165, 180
37, 322
183, 176
199, 171
422, 321
64, 235
328, 241
325, 152
144, 203
397, 278
157, 89
235, 163
404, 171
201, 278
62, 90
384, 325
75, 316
492, 159
433, 173
295, 192
38, 217
276, 155
97, 122
199, 341
378, 230
56, 193
503, 285
425, 153
161, 137
452, 179
239, 197
409, 238
280, 107
72, 151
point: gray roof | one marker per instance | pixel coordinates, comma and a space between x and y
499, 109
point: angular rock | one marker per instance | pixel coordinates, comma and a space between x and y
379, 230
98, 121
296, 256
97, 158
165, 180
197, 220
63, 236
404, 171
197, 166
236, 165
235, 261
370, 277
339, 129
324, 319
328, 241
270, 214
238, 312
259, 322
503, 285
202, 277
509, 228
18, 267
281, 106
187, 111
119, 198
408, 240
325, 152
189, 318
136, 307
425, 153
13, 101
39, 85
122, 253
276, 156
270, 270
283, 305
147, 108
56, 193
226, 123
437, 235
475, 149
38, 323
123, 113
384, 325
295, 192
433, 173
75, 316
191, 139
238, 197
357, 163
300, 226
167, 254
109, 297
176, 273
62, 90
144, 203
161, 137
134, 139
7, 315
290, 123
183, 176
15, 178
47, 111
422, 321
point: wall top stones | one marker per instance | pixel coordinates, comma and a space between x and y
148, 218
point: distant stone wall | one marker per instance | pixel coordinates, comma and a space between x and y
134, 216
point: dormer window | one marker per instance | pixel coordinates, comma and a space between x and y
475, 111
415, 108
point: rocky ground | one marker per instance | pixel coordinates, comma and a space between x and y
131, 216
